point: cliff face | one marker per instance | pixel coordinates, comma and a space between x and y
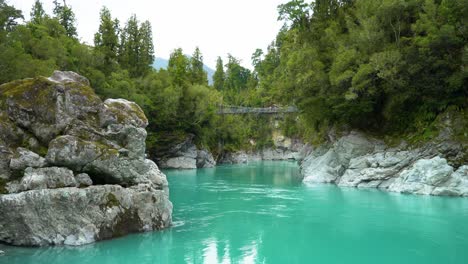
73, 168
437, 167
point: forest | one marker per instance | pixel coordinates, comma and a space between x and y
388, 67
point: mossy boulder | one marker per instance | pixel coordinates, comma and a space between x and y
46, 106
58, 140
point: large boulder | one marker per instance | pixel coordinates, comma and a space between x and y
46, 106
73, 169
26, 158
47, 178
186, 155
328, 165
73, 216
205, 159
423, 176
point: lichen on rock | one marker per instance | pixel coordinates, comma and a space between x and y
58, 141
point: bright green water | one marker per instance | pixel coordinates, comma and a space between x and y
262, 214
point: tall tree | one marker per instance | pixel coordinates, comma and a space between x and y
66, 17
197, 73
37, 13
146, 48
106, 40
218, 77
136, 51
178, 68
236, 75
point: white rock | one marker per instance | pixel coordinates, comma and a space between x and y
47, 178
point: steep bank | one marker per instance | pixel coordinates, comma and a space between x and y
437, 167
73, 168
185, 155
283, 148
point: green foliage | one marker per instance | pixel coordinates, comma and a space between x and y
65, 15
385, 66
219, 77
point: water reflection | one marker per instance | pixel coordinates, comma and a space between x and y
263, 214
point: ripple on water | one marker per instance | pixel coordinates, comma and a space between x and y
261, 214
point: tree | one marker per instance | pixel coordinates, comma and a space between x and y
219, 77
106, 40
236, 75
8, 17
37, 13
178, 68
66, 17
146, 48
136, 52
197, 73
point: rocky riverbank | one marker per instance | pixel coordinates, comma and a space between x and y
358, 160
186, 155
73, 168
284, 148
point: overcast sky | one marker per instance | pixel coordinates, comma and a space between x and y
218, 27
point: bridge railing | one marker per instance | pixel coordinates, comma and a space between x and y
224, 110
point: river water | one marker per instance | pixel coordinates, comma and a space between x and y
262, 213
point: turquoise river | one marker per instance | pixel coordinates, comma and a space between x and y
262, 213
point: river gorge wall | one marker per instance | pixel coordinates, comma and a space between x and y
186, 155
437, 167
73, 168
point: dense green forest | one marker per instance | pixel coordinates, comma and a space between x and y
386, 66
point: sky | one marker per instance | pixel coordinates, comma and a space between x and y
217, 27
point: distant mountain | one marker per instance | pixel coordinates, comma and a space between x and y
161, 63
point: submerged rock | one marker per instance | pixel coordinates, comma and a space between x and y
85, 142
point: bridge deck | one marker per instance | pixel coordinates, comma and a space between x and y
237, 110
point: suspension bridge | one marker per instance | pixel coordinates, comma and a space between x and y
239, 110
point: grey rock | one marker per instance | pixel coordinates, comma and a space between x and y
13, 186
179, 163
101, 143
26, 158
126, 172
47, 178
457, 185
130, 137
355, 161
83, 180
240, 157
74, 216
205, 159
45, 107
5, 157
328, 167
380, 167
68, 77
322, 169
123, 112
182, 155
76, 153
423, 176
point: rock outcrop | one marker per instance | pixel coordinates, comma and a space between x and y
186, 155
358, 160
283, 149
73, 168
